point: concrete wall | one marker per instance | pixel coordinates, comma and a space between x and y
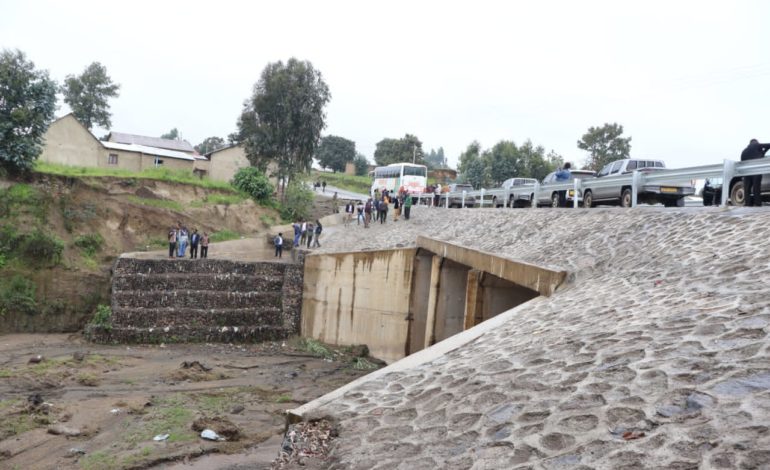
418, 303
359, 298
450, 305
67, 142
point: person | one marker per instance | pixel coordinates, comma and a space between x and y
310, 233
323, 185
278, 242
436, 194
171, 241
349, 209
367, 213
407, 205
752, 184
360, 212
316, 185
195, 238
335, 206
396, 207
205, 246
383, 211
303, 238
318, 229
182, 242
564, 174
297, 233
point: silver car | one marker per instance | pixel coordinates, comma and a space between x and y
520, 196
561, 198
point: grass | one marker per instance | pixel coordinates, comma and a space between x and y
267, 219
159, 174
316, 347
223, 236
160, 203
357, 184
283, 399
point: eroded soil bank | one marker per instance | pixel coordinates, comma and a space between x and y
86, 406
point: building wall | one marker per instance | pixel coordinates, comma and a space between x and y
67, 142
148, 161
359, 298
224, 164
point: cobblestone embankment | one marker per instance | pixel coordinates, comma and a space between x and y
654, 353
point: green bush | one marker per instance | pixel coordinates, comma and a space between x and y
18, 295
297, 202
90, 243
103, 316
254, 183
40, 247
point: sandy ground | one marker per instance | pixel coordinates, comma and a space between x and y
107, 403
653, 354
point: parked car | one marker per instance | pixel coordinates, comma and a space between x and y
712, 192
737, 195
560, 198
670, 195
456, 198
520, 196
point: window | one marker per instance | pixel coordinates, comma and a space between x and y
659, 165
631, 165
606, 170
112, 159
158, 162
616, 166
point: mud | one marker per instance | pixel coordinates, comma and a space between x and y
87, 406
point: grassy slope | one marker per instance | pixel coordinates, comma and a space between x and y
356, 184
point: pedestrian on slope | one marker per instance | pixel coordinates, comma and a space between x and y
368, 213
278, 242
172, 234
407, 205
310, 232
297, 233
752, 185
360, 212
436, 194
182, 240
396, 207
318, 229
323, 186
335, 205
383, 212
349, 209
303, 238
205, 246
195, 239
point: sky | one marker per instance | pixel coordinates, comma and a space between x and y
688, 80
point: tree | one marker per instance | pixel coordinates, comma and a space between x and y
334, 152
254, 183
362, 165
404, 150
209, 145
87, 95
604, 145
502, 162
173, 134
472, 153
476, 174
283, 119
27, 105
435, 158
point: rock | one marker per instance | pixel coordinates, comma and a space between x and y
36, 359
221, 426
78, 356
75, 451
195, 365
35, 399
238, 409
210, 435
60, 429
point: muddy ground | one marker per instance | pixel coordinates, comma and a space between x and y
88, 406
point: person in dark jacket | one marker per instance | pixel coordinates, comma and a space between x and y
195, 238
752, 185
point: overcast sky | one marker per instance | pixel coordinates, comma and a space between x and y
689, 81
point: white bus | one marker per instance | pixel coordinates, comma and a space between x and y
411, 177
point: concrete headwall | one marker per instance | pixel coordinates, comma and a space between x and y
202, 300
359, 298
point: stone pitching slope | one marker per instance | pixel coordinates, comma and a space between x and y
654, 353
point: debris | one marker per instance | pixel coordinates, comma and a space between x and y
76, 451
196, 365
223, 427
631, 435
35, 399
238, 409
160, 437
306, 440
210, 435
59, 429
36, 359
115, 411
78, 356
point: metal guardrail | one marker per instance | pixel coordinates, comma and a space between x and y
637, 180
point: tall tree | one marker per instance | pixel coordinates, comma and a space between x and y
362, 165
604, 144
173, 134
503, 161
283, 119
87, 95
27, 105
335, 152
435, 158
472, 153
210, 144
404, 150
476, 174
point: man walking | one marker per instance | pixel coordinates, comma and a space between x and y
318, 229
205, 245
195, 238
752, 185
278, 241
171, 242
407, 205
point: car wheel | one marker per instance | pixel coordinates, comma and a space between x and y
555, 200
588, 199
737, 194
625, 198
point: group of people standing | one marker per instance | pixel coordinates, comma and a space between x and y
377, 207
179, 238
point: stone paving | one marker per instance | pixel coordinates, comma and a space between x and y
653, 354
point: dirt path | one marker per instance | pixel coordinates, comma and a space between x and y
113, 400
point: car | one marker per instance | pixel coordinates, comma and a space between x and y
737, 194
562, 197
520, 194
712, 192
456, 199
670, 195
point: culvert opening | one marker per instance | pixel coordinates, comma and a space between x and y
401, 301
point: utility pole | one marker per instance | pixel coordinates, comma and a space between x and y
414, 153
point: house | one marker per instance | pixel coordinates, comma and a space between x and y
68, 142
224, 163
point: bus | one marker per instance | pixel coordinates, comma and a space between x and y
395, 176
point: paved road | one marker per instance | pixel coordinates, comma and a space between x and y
342, 194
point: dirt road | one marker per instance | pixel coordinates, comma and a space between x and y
87, 406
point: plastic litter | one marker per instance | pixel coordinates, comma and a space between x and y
211, 435
115, 411
160, 437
